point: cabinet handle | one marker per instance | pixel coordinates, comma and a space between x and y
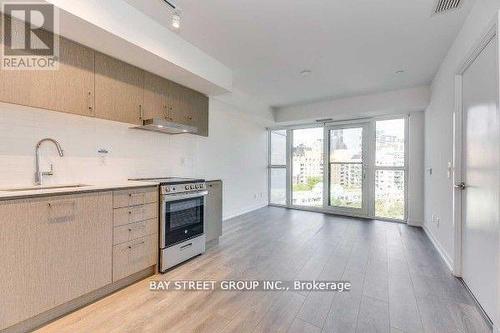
141, 112
136, 228
61, 203
135, 245
62, 211
141, 196
89, 99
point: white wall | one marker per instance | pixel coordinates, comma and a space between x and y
439, 129
391, 102
235, 152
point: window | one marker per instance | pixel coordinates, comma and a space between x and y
390, 169
346, 167
277, 167
360, 171
307, 167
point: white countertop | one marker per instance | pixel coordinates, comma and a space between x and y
6, 194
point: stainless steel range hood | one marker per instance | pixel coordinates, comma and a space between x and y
163, 126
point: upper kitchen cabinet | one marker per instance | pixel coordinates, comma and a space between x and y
155, 97
196, 110
69, 88
201, 112
175, 103
188, 107
119, 90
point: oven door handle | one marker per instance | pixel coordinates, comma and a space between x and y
175, 197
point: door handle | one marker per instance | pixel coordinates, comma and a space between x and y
460, 186
186, 246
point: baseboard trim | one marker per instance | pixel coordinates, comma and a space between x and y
415, 223
245, 211
439, 248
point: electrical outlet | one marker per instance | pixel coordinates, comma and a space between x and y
435, 219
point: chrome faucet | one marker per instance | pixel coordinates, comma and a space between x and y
39, 174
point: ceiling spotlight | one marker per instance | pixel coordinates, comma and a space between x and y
176, 19
401, 71
305, 72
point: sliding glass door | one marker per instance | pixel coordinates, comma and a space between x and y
307, 167
347, 169
355, 168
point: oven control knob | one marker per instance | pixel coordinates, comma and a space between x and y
192, 187
187, 187
197, 186
167, 189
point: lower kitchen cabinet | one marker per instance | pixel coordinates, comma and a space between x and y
213, 212
53, 250
134, 256
135, 234
58, 251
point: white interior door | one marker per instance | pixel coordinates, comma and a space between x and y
480, 200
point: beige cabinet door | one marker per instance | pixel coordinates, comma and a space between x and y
15, 86
155, 96
213, 211
119, 90
188, 107
201, 113
175, 104
56, 249
70, 88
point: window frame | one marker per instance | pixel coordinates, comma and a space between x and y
270, 167
370, 166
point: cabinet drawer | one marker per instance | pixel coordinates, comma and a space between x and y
134, 197
134, 256
133, 214
132, 231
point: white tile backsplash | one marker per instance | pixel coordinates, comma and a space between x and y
235, 152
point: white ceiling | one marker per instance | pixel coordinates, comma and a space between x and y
352, 47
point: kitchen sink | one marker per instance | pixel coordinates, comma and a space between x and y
42, 188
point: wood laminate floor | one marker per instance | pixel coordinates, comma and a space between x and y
399, 283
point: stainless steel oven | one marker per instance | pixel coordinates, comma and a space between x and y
182, 217
182, 214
